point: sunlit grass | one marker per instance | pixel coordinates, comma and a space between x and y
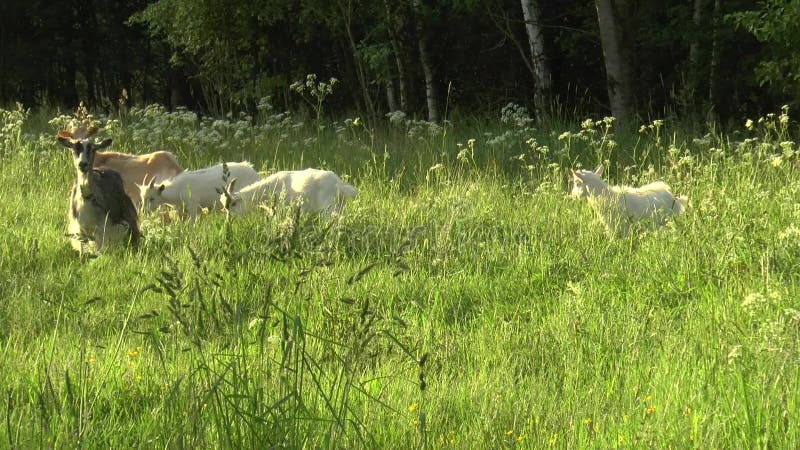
461, 301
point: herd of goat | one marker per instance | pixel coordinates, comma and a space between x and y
107, 197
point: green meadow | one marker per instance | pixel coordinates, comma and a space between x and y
462, 300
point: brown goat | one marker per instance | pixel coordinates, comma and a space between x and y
138, 169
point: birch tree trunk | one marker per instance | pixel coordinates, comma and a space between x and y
394, 40
611, 15
540, 67
431, 91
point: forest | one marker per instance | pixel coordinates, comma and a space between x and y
700, 59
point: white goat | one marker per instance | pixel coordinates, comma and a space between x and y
317, 191
156, 166
193, 190
620, 206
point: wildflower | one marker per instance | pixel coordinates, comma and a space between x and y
553, 439
625, 417
688, 410
92, 360
509, 432
520, 438
650, 410
621, 439
413, 407
749, 124
587, 421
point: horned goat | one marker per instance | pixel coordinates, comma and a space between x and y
620, 206
317, 191
101, 213
134, 169
192, 190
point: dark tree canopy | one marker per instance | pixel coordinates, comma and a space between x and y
221, 56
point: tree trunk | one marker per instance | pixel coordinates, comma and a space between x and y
346, 8
431, 91
714, 62
697, 49
391, 99
542, 78
394, 40
611, 17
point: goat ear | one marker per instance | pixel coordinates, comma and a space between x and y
65, 138
231, 186
66, 142
577, 175
152, 183
599, 170
161, 187
103, 144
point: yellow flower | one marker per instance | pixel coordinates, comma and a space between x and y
520, 437
625, 417
413, 407
587, 420
649, 398
92, 360
688, 410
650, 409
691, 437
509, 432
553, 439
748, 124
621, 439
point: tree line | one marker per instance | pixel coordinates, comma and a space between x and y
631, 59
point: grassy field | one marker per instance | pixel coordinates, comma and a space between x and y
461, 301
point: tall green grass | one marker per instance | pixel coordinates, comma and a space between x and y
461, 301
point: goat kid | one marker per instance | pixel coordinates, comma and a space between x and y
317, 191
101, 213
620, 206
156, 166
193, 190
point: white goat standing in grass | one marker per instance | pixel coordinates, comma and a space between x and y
317, 191
192, 190
156, 166
620, 206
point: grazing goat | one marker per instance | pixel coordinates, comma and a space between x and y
318, 191
620, 206
100, 211
156, 166
193, 190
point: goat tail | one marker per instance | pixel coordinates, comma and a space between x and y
347, 191
681, 205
